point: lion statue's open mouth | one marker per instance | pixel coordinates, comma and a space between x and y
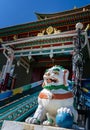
49, 80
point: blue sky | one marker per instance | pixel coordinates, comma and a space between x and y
15, 12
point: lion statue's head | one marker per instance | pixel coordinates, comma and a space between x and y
56, 75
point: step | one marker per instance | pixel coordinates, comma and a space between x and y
14, 125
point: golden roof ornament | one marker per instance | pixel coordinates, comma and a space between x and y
41, 33
1, 40
15, 37
87, 28
49, 30
56, 31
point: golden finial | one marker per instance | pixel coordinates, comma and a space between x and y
1, 40
88, 26
15, 37
75, 7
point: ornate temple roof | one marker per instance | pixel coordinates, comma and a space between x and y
60, 16
41, 16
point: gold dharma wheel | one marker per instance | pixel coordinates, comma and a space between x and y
49, 30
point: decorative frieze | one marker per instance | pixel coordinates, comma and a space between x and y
48, 31
20, 109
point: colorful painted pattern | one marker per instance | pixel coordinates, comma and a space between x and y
18, 90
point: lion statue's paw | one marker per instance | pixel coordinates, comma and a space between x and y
32, 120
48, 123
64, 110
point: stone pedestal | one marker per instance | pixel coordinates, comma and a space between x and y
14, 125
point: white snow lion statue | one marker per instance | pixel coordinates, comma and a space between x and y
54, 99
